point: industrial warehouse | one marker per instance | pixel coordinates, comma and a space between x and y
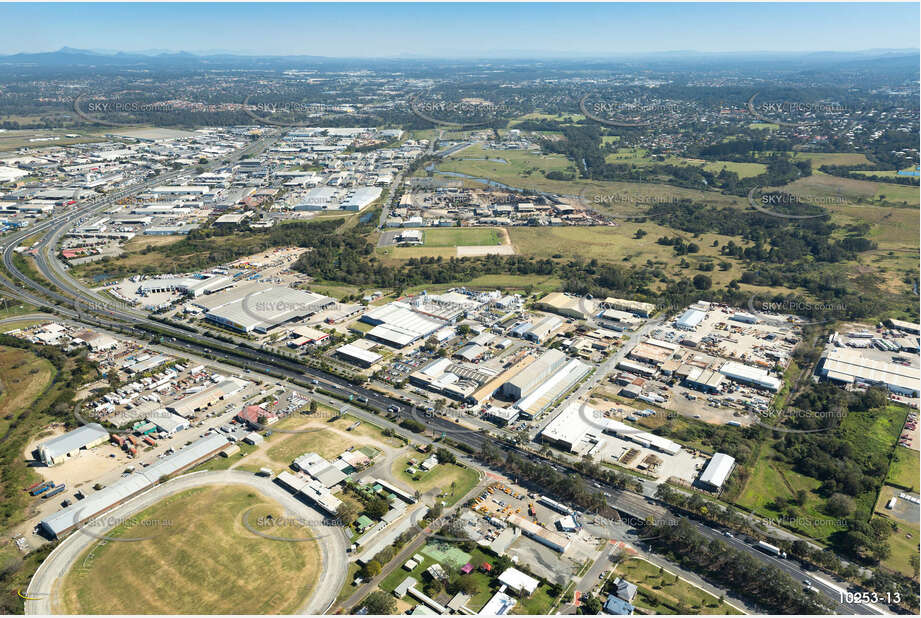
62, 448
68, 518
717, 471
246, 310
851, 367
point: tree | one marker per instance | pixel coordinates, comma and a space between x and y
702, 282
379, 603
376, 507
461, 583
347, 513
445, 456
840, 505
590, 605
372, 568
313, 406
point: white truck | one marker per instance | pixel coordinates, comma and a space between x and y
770, 549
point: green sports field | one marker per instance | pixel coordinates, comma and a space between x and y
460, 237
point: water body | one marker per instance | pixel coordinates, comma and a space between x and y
483, 181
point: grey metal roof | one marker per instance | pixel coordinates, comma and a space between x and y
718, 468
125, 487
73, 440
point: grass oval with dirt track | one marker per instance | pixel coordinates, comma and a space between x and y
201, 559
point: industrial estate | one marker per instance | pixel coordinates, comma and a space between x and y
406, 343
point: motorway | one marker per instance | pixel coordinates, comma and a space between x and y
45, 586
85, 306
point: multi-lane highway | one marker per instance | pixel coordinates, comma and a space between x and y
71, 299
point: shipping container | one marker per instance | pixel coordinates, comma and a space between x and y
42, 488
55, 491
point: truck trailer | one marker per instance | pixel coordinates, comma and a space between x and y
770, 549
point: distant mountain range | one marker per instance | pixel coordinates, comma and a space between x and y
68, 57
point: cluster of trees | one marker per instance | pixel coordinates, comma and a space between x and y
681, 246
848, 171
761, 584
832, 456
775, 239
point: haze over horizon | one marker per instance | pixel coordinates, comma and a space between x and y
459, 30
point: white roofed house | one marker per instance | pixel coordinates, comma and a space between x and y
519, 583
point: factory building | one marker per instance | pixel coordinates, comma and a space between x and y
188, 406
167, 422
262, 310
572, 426
745, 318
398, 325
643, 438
553, 540
753, 376
357, 355
908, 327
846, 366
312, 491
643, 310
704, 380
501, 416
121, 490
360, 198
452, 379
531, 376
552, 388
190, 286
541, 331
653, 351
717, 471
409, 237
566, 305
63, 447
690, 319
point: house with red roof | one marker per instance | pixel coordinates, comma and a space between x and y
251, 414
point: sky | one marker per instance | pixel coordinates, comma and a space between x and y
457, 30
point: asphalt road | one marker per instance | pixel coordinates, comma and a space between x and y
46, 583
84, 306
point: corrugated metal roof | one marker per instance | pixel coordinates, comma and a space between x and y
73, 440
717, 470
125, 487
